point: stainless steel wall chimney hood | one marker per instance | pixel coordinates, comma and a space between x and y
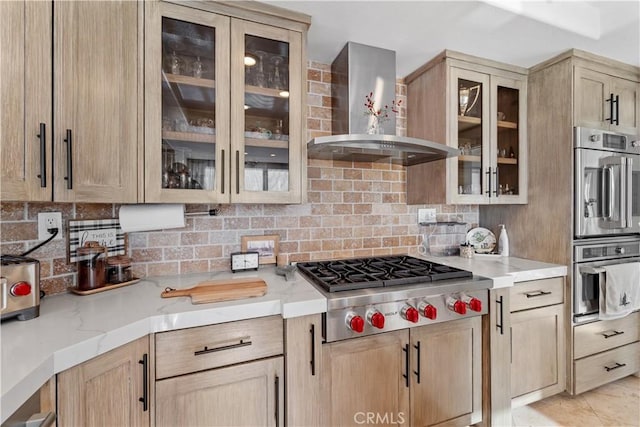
357, 71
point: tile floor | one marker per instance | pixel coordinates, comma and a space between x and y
616, 404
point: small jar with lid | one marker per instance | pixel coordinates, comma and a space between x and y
91, 266
118, 269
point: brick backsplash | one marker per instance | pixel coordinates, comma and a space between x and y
352, 210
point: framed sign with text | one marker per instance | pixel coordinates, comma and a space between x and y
106, 232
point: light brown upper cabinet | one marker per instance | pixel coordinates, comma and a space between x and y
224, 119
480, 108
603, 101
91, 77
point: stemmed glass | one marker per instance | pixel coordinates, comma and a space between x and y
276, 81
260, 78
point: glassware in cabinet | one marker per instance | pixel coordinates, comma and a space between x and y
267, 139
510, 145
187, 106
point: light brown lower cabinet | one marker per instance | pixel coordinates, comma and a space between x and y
249, 394
302, 346
427, 376
525, 346
108, 390
537, 356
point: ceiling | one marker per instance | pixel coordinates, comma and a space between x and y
521, 33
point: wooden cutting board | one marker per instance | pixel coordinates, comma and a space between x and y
220, 290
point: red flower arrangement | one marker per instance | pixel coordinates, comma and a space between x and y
381, 114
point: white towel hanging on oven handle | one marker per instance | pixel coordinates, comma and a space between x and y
620, 292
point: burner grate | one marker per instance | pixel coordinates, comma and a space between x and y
376, 272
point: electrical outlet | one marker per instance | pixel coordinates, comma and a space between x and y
426, 216
47, 220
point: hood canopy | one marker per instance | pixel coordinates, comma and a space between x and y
358, 71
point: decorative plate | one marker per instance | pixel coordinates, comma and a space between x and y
482, 239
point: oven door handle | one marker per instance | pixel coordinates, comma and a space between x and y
609, 213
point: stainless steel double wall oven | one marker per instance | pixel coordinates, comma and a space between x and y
606, 212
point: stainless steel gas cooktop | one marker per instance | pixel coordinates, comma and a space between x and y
375, 272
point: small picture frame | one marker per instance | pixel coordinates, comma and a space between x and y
266, 246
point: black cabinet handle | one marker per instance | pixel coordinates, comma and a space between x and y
42, 136
145, 382
501, 324
495, 186
69, 177
406, 364
536, 294
417, 347
616, 366
617, 101
237, 172
610, 101
488, 173
612, 334
207, 350
223, 173
313, 349
277, 399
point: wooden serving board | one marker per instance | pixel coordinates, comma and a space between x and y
220, 290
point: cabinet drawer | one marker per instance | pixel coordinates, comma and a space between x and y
196, 349
606, 334
537, 293
603, 368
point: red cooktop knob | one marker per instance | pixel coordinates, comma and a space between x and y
460, 307
410, 314
430, 312
355, 323
377, 320
475, 304
20, 289
456, 305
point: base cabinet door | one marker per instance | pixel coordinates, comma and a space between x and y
108, 390
249, 394
365, 380
303, 343
446, 373
537, 352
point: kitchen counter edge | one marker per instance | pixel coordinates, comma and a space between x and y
72, 329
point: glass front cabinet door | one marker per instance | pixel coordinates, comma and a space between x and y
223, 119
488, 112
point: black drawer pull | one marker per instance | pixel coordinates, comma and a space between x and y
42, 137
69, 177
417, 373
207, 350
616, 366
612, 334
501, 324
145, 382
536, 294
313, 349
405, 349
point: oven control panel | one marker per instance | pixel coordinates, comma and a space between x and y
371, 319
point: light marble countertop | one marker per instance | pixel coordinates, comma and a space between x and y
504, 271
72, 329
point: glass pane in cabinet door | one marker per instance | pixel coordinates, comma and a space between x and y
266, 109
508, 140
188, 106
470, 177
